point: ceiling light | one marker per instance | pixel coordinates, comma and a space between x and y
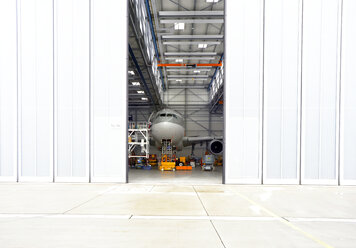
179, 60
202, 45
144, 98
179, 80
196, 71
212, 1
136, 83
179, 26
140, 92
132, 73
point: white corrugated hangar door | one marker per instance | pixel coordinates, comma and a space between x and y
290, 108
63, 98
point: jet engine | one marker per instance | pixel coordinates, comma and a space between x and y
216, 147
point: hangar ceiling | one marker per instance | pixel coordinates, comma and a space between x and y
187, 32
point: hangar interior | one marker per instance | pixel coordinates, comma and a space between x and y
176, 64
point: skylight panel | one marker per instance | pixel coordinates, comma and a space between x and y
179, 26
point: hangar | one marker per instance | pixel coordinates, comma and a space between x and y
243, 107
273, 86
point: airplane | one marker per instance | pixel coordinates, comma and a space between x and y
169, 124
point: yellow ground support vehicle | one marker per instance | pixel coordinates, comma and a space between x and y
218, 161
152, 160
182, 161
167, 164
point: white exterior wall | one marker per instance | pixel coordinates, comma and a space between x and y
243, 91
282, 76
290, 90
348, 95
63, 90
308, 90
8, 92
35, 76
320, 82
71, 82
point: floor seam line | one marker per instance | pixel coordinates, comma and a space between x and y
211, 222
285, 221
93, 198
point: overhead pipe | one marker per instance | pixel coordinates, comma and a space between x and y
154, 41
141, 75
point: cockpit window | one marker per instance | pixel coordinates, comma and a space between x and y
169, 115
162, 115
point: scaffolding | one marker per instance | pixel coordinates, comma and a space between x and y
138, 135
167, 159
167, 149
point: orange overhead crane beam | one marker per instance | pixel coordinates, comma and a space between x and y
189, 65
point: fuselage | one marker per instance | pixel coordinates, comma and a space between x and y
167, 124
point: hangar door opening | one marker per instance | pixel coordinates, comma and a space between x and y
175, 82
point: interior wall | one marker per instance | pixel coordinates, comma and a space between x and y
63, 80
194, 106
197, 114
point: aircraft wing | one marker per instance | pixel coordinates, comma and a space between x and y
188, 141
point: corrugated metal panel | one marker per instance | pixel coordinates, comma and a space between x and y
108, 87
244, 57
281, 91
320, 92
8, 92
71, 80
348, 95
36, 89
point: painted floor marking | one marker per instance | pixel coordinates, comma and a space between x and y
286, 222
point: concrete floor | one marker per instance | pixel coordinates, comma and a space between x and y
195, 176
159, 215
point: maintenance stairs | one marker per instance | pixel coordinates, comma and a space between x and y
167, 158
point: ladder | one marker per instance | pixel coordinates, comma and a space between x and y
167, 149
167, 161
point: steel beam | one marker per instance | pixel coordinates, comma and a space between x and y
190, 53
191, 42
188, 70
187, 79
199, 21
193, 37
188, 76
196, 58
190, 13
